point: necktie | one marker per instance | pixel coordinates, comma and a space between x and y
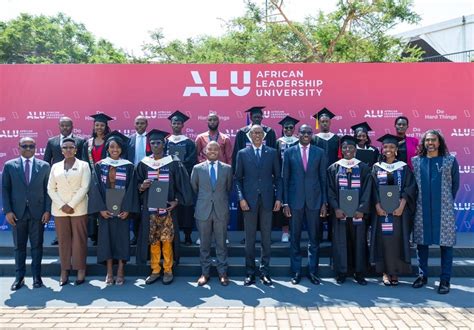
258, 155
140, 150
27, 171
305, 157
213, 175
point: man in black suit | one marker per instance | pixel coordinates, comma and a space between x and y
27, 207
258, 182
54, 154
138, 148
304, 197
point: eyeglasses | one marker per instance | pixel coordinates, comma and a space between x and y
289, 127
28, 146
68, 148
306, 132
156, 143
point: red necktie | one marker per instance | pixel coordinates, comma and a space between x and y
305, 157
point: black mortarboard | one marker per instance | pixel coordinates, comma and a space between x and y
179, 116
364, 126
349, 139
121, 139
288, 120
389, 138
324, 112
252, 110
101, 117
156, 134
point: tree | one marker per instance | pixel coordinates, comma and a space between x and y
58, 39
357, 31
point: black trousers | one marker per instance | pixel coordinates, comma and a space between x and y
25, 228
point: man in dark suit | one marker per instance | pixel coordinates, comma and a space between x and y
258, 183
304, 197
27, 207
212, 182
54, 154
137, 149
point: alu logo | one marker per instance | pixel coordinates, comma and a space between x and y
464, 206
345, 131
462, 132
149, 114
40, 151
466, 169
36, 115
6, 133
214, 90
373, 114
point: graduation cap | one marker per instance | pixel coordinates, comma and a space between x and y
389, 138
156, 134
288, 120
362, 126
101, 117
118, 137
349, 139
253, 110
178, 115
323, 112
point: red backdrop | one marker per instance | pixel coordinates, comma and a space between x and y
432, 95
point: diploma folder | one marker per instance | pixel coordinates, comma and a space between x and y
389, 197
349, 201
158, 194
114, 198
178, 151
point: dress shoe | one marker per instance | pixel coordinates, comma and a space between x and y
249, 280
19, 282
133, 241
340, 278
152, 278
167, 278
296, 279
443, 287
314, 279
81, 277
420, 282
37, 282
224, 280
203, 280
79, 282
360, 279
188, 241
266, 280
55, 241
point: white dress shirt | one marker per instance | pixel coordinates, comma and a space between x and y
137, 143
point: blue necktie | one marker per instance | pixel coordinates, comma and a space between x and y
213, 176
27, 171
258, 155
140, 149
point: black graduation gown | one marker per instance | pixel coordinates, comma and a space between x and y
341, 262
85, 152
114, 233
374, 157
330, 147
179, 188
396, 260
242, 141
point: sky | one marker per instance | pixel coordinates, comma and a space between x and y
127, 23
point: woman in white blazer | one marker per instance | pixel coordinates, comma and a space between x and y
68, 186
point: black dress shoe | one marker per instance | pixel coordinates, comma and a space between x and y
314, 279
443, 287
360, 279
266, 280
79, 282
249, 280
37, 282
54, 241
19, 282
133, 241
63, 283
340, 278
296, 279
420, 282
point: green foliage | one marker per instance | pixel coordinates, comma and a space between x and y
58, 39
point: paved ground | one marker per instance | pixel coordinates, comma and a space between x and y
184, 305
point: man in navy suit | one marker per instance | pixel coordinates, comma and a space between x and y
258, 182
54, 154
27, 207
304, 197
138, 147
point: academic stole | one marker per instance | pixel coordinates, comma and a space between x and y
343, 181
120, 175
160, 174
382, 179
